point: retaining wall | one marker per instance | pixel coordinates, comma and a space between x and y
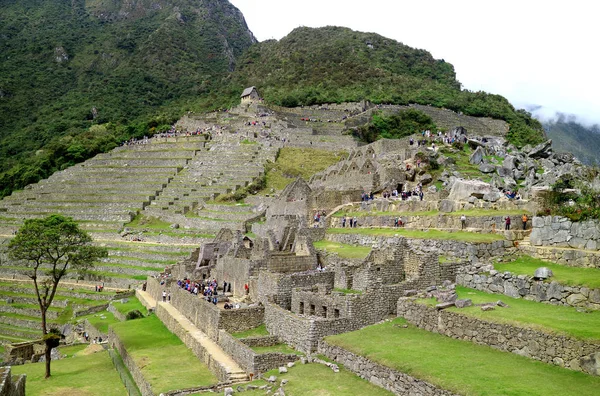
554, 349
136, 373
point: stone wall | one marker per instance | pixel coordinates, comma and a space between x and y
485, 278
91, 310
191, 342
382, 376
118, 315
554, 349
570, 257
562, 232
143, 385
277, 288
9, 385
249, 360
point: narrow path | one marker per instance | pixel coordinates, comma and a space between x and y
146, 299
234, 371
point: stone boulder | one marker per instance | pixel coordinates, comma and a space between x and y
426, 178
542, 150
463, 303
477, 157
446, 206
492, 196
504, 172
487, 168
543, 273
510, 162
463, 189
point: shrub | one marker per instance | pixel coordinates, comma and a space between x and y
135, 314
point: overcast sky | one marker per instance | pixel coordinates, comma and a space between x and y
533, 52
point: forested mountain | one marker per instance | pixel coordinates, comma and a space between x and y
569, 135
79, 77
68, 65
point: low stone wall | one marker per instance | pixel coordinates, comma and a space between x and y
260, 341
197, 349
570, 257
462, 250
136, 373
118, 315
554, 349
11, 386
92, 310
382, 376
479, 276
249, 360
92, 331
562, 232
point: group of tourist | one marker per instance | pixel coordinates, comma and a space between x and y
208, 289
351, 221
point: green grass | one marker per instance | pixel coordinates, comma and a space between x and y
418, 234
571, 276
556, 319
132, 304
343, 250
460, 366
72, 350
281, 348
141, 221
165, 362
298, 162
347, 291
100, 320
82, 376
320, 380
260, 331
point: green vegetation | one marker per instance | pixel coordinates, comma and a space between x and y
417, 234
240, 194
292, 163
572, 199
79, 79
165, 362
483, 370
142, 221
343, 250
100, 321
72, 350
347, 291
133, 304
74, 376
260, 331
570, 276
556, 319
318, 379
396, 126
278, 348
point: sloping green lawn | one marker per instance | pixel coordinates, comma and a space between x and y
461, 366
418, 234
570, 276
79, 376
343, 250
557, 319
166, 363
132, 304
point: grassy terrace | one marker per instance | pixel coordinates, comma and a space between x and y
460, 366
571, 276
101, 320
81, 375
556, 319
343, 250
431, 213
418, 234
319, 380
132, 304
165, 362
260, 331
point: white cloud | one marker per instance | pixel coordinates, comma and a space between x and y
532, 52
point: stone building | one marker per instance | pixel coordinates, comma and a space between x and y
250, 94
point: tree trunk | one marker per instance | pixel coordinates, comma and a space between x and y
48, 358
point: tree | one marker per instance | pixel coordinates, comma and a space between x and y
50, 247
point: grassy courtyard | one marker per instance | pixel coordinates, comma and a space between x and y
82, 375
461, 366
319, 380
164, 360
570, 276
260, 331
343, 250
556, 319
462, 236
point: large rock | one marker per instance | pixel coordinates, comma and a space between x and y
463, 189
426, 178
510, 162
477, 157
487, 168
492, 196
463, 303
504, 172
446, 206
542, 150
543, 273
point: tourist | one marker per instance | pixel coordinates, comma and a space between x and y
344, 222
524, 219
354, 221
164, 295
507, 223
463, 221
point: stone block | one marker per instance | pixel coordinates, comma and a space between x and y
463, 303
445, 305
554, 290
543, 273
488, 308
594, 296
576, 299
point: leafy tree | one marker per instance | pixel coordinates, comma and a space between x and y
50, 247
396, 126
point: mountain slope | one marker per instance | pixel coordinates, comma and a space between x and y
67, 65
335, 64
570, 136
